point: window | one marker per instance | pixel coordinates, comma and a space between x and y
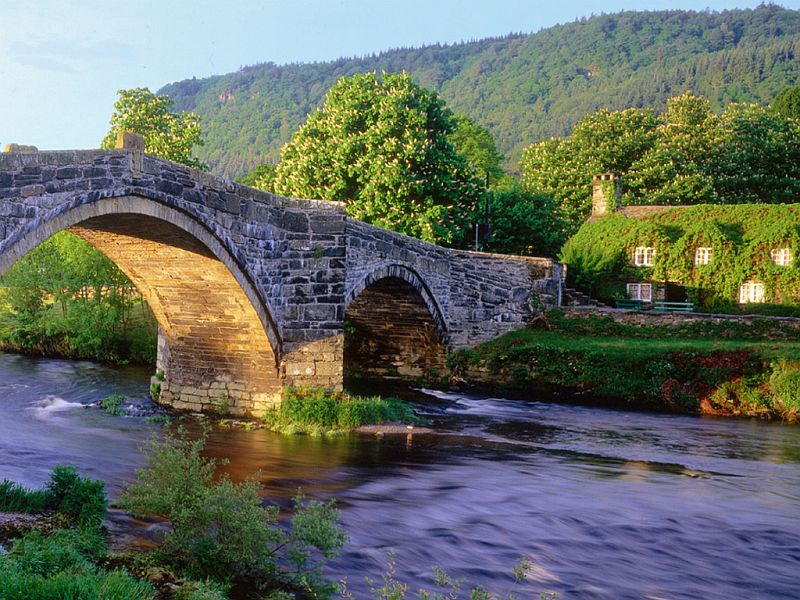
751, 292
782, 256
643, 257
640, 291
702, 256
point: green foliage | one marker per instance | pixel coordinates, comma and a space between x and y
113, 405
477, 145
688, 155
381, 145
16, 498
62, 565
220, 530
201, 590
599, 256
315, 410
787, 103
523, 88
679, 368
65, 298
524, 223
167, 135
261, 177
785, 386
81, 500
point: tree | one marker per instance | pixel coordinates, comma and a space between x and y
525, 223
601, 142
262, 177
168, 135
676, 169
688, 155
787, 102
478, 146
381, 145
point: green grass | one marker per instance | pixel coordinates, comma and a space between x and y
675, 368
641, 346
316, 411
81, 500
16, 498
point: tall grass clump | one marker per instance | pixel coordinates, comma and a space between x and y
315, 410
63, 565
81, 500
785, 386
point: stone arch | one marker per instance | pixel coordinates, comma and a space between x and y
218, 343
394, 326
411, 277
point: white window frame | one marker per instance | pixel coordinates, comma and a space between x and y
782, 256
703, 255
751, 292
643, 256
640, 291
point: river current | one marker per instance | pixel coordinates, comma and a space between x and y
605, 503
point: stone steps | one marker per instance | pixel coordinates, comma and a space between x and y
573, 297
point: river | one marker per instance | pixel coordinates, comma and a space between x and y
605, 503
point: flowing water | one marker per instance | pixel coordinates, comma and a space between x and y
605, 503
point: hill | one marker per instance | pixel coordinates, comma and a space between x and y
522, 87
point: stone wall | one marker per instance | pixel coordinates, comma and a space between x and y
784, 327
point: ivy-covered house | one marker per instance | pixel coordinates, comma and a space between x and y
714, 256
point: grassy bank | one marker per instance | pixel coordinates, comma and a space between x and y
713, 368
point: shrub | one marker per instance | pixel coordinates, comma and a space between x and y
113, 405
83, 501
219, 528
785, 386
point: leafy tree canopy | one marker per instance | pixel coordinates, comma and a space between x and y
166, 134
478, 146
787, 103
687, 155
262, 177
381, 145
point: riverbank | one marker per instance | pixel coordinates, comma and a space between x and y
702, 366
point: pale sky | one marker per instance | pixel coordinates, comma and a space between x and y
62, 61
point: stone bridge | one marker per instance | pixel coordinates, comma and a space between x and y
253, 291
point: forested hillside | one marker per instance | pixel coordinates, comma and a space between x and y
522, 87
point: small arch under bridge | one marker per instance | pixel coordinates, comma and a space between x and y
253, 291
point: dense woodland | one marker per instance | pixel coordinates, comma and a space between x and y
523, 88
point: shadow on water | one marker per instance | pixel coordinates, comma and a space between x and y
607, 503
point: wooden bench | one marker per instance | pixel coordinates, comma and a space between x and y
673, 306
626, 304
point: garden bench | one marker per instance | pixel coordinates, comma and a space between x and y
673, 306
626, 304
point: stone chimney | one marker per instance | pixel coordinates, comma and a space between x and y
606, 194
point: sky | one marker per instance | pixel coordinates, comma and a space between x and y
62, 61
